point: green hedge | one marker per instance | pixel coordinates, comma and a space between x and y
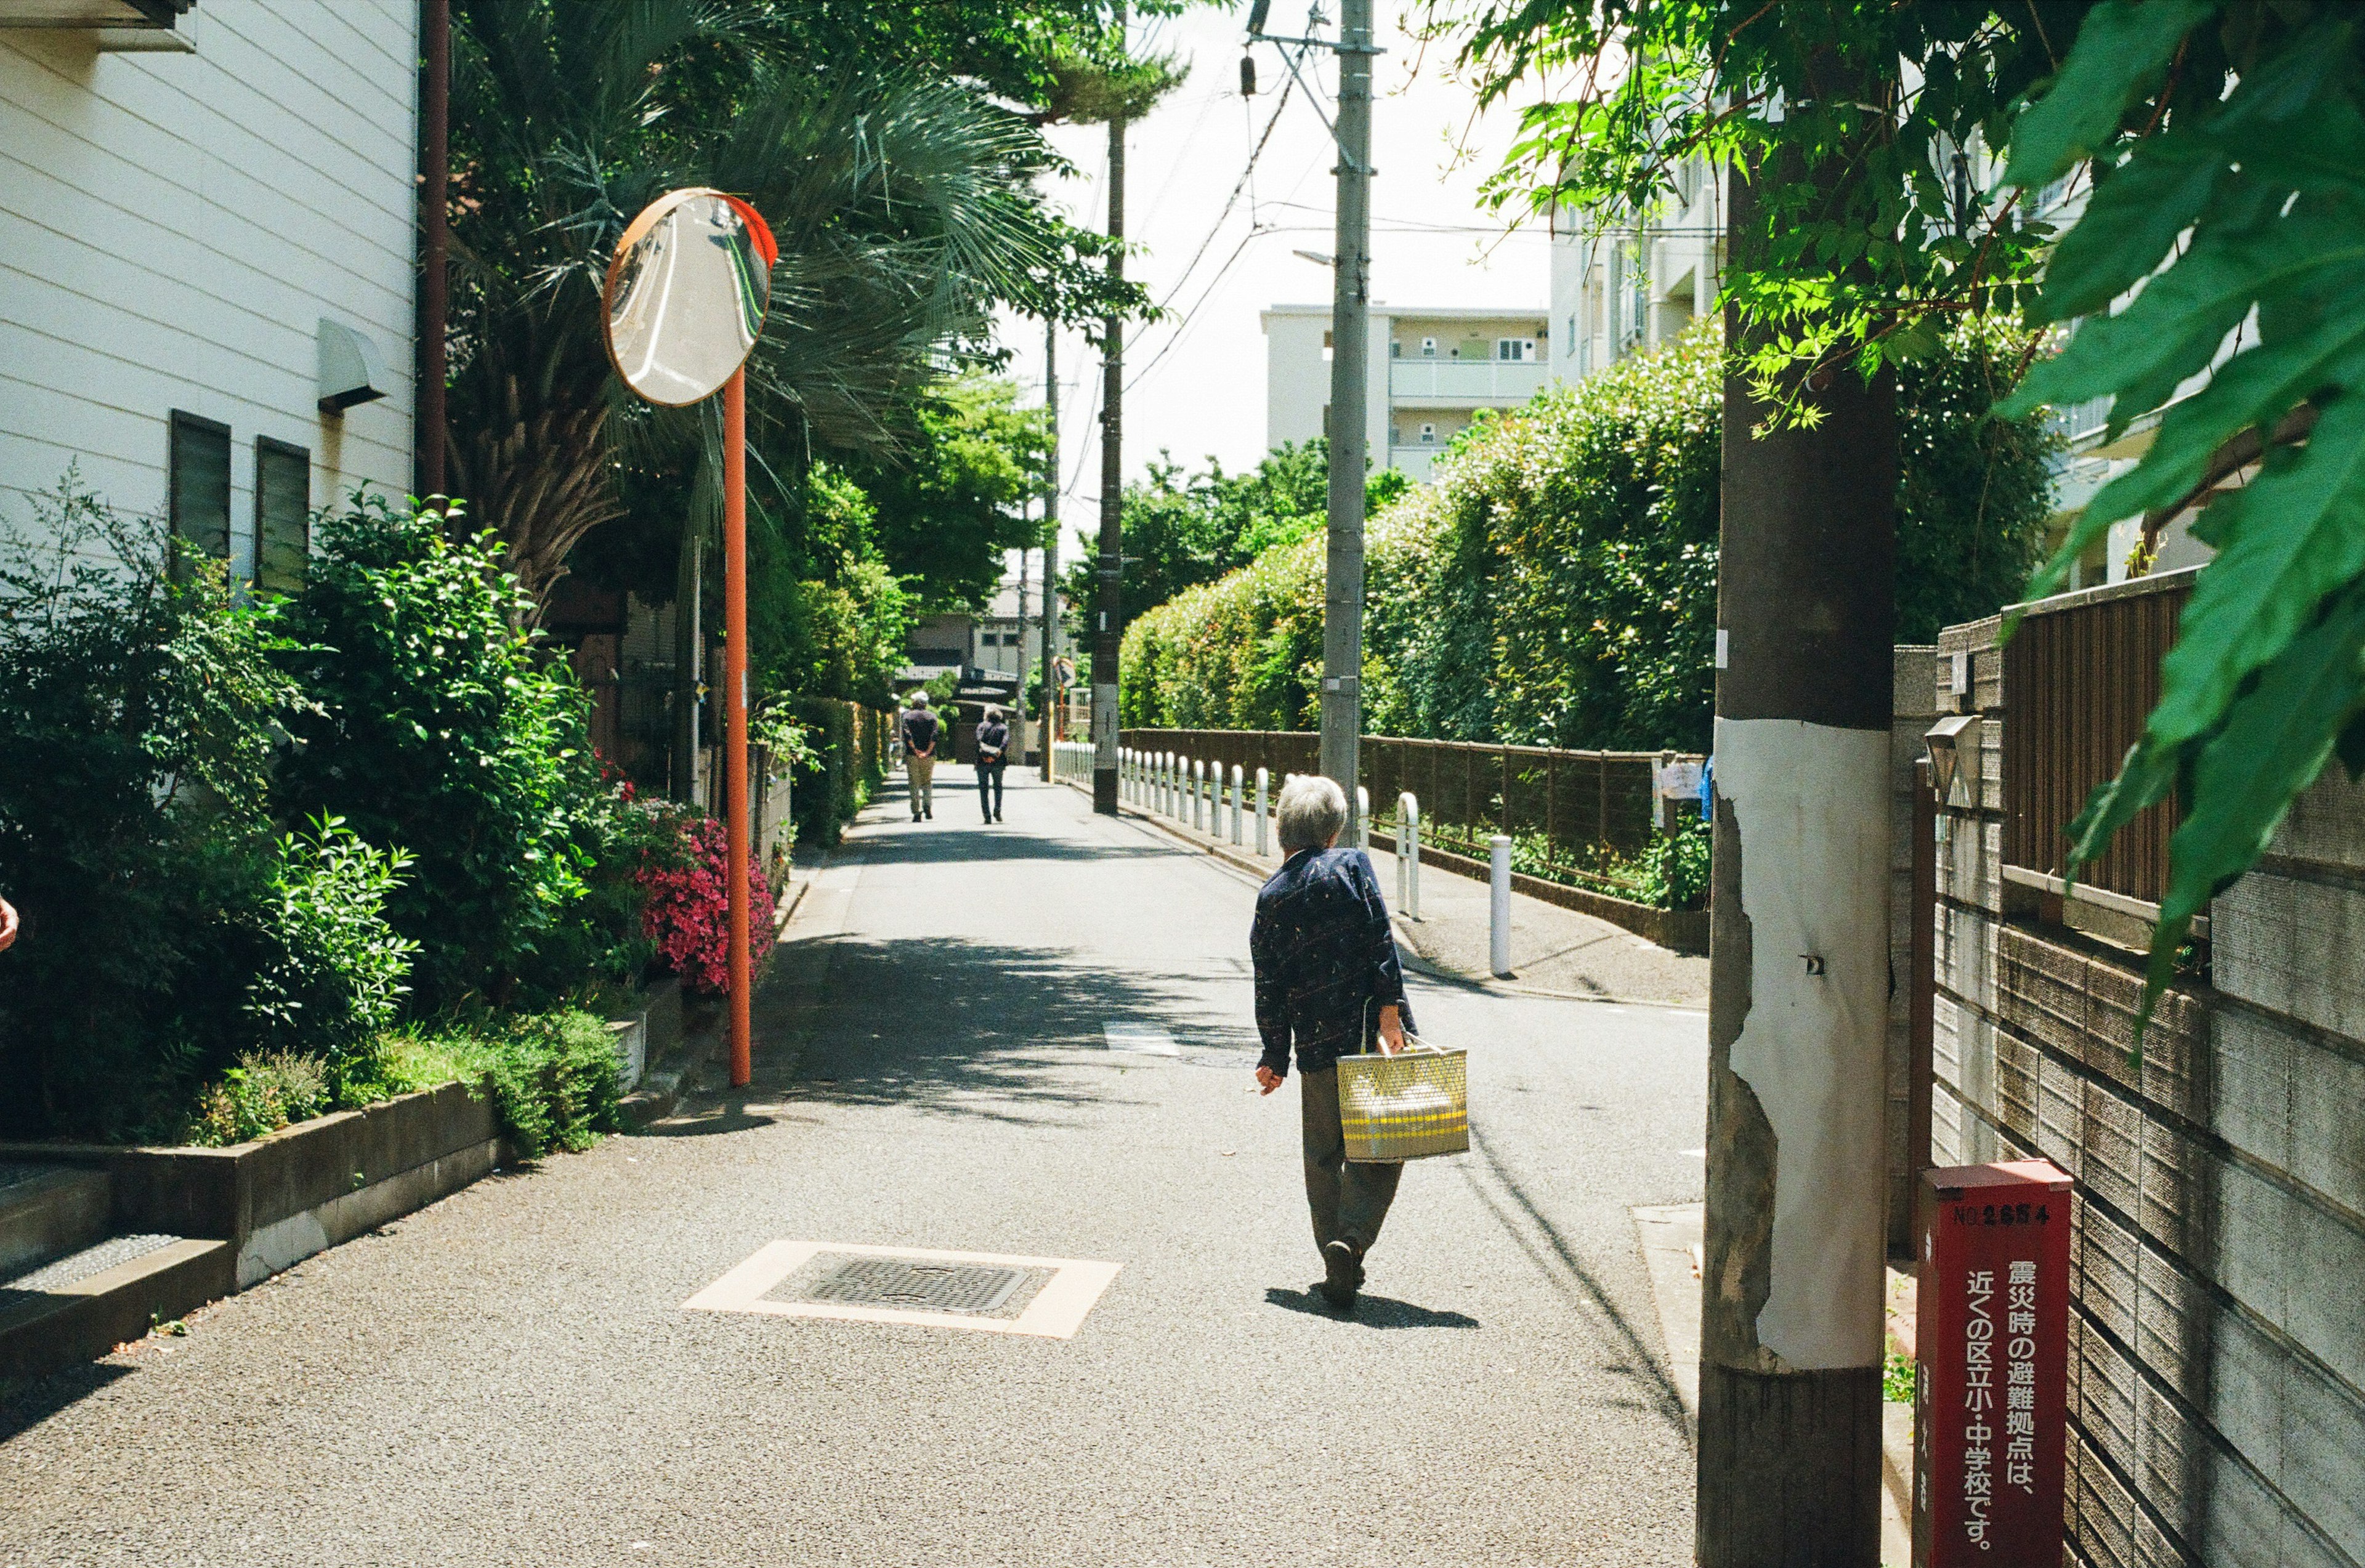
849, 743
1555, 584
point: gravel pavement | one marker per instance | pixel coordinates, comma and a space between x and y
509, 1377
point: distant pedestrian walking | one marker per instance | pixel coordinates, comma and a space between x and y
992, 755
919, 730
1330, 984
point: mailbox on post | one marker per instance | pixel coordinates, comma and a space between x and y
1992, 1347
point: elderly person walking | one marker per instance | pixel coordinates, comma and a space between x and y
920, 732
1329, 984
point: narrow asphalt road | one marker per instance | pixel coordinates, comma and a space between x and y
510, 1377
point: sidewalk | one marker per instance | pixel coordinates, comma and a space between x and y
1554, 951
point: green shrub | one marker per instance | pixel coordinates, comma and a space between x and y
262, 1095
552, 1077
335, 980
438, 726
140, 709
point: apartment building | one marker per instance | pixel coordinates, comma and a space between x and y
1428, 374
1617, 290
206, 261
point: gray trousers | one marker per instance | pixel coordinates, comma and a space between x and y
1349, 1199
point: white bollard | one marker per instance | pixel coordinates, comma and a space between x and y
1263, 820
1235, 805
1408, 855
1362, 819
1498, 914
1166, 783
1199, 772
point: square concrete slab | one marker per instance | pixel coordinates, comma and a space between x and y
1054, 1312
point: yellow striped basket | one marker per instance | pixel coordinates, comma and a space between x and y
1406, 1106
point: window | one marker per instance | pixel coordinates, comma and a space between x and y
1515, 351
283, 515
1395, 349
1429, 435
197, 484
1428, 348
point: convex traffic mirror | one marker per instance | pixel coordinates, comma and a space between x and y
686, 295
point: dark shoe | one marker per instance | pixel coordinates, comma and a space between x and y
1343, 1272
932, 813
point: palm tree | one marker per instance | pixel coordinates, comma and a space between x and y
906, 209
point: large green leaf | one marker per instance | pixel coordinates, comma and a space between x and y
2133, 218
2121, 53
2250, 390
2276, 740
2188, 309
2287, 540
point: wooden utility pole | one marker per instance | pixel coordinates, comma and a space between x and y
1049, 718
1108, 624
1342, 602
1791, 1311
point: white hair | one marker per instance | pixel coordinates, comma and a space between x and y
1313, 811
919, 699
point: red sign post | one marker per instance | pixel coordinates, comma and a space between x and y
1992, 1341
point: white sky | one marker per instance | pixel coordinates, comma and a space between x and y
1195, 383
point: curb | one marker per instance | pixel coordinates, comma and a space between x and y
663, 1087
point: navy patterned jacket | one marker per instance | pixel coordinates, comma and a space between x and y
1326, 960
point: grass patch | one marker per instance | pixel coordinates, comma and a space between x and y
553, 1076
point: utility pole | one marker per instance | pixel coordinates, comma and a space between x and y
1049, 716
1108, 627
1342, 604
1018, 719
1791, 1307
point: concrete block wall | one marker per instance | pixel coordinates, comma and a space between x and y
2217, 1356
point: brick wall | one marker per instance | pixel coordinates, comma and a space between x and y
2217, 1353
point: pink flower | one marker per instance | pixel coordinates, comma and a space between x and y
687, 909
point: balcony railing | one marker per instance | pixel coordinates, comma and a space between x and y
1479, 380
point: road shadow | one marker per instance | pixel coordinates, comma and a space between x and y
972, 1028
951, 843
1523, 1219
1370, 1311
27, 1403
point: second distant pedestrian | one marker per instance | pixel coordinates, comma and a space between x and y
919, 730
993, 754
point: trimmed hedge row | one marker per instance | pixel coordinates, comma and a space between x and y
1555, 584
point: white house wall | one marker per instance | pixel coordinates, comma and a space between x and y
174, 227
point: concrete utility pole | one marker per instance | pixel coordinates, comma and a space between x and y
1791, 1308
1108, 627
1343, 607
1048, 720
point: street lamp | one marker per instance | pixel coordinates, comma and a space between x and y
683, 305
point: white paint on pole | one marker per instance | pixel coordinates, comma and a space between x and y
1811, 803
1362, 819
1498, 906
1235, 805
1263, 820
1105, 724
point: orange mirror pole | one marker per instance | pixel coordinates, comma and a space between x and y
735, 698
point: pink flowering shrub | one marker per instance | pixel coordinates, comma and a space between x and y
687, 912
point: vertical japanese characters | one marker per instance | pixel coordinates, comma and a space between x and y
1978, 1404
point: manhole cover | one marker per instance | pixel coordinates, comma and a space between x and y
938, 1287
